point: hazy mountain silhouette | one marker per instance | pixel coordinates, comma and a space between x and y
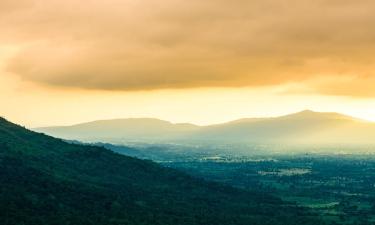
136, 129
302, 127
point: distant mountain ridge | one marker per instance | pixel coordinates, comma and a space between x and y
137, 129
302, 127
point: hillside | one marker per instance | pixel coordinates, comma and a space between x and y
306, 127
48, 181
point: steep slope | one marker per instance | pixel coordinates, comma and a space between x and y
137, 129
47, 181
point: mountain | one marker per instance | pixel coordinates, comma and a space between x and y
306, 127
136, 129
48, 181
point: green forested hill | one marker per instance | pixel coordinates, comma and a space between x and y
47, 181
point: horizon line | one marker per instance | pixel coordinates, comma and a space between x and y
212, 124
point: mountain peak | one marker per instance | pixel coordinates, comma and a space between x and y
310, 114
307, 111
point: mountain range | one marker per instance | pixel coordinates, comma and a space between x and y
306, 127
49, 181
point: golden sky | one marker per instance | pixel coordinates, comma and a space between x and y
197, 61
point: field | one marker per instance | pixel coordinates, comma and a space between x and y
340, 188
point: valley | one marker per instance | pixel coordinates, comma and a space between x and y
338, 186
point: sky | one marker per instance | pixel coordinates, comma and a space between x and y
204, 62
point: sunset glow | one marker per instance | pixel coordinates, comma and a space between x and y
202, 62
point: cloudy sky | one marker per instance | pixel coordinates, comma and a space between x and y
63, 62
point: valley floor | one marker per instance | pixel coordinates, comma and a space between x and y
340, 188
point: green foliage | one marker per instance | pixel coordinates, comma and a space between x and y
48, 181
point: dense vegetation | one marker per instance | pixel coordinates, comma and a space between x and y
340, 188
336, 185
48, 181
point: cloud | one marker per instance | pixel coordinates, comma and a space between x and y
148, 44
